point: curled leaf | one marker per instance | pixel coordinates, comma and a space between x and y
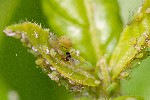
56, 55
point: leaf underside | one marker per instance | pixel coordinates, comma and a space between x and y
56, 55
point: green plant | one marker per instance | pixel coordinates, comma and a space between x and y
100, 74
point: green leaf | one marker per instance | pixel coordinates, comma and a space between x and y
128, 98
3, 89
93, 25
55, 55
133, 45
19, 72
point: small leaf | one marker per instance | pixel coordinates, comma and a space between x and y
56, 55
93, 25
133, 45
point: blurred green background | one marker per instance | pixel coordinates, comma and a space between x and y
19, 77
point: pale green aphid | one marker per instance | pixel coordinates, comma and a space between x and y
51, 53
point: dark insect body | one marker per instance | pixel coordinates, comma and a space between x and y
68, 56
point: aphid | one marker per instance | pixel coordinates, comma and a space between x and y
68, 56
124, 74
65, 43
139, 17
147, 10
53, 52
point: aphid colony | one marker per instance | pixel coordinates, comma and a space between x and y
62, 46
56, 56
62, 53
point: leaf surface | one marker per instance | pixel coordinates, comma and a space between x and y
93, 25
133, 45
55, 55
